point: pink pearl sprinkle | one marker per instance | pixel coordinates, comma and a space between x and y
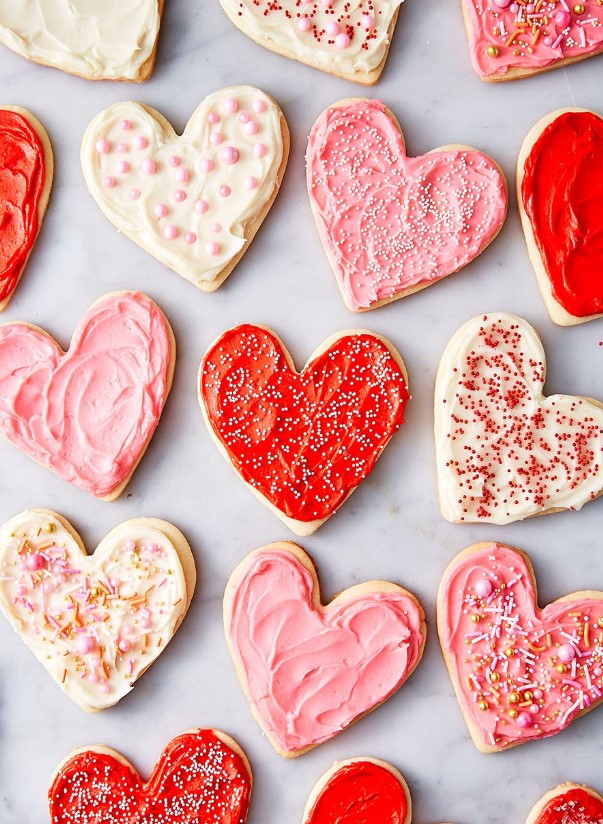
103, 146
206, 165
182, 175
524, 720
170, 232
230, 155
251, 127
304, 24
216, 138
140, 142
530, 8
566, 653
145, 623
562, 18
85, 644
190, 237
134, 194
104, 687
327, 3
548, 40
259, 106
48, 586
537, 694
35, 561
514, 8
149, 167
21, 590
124, 645
216, 227
502, 4
128, 629
61, 579
483, 587
123, 167
368, 21
332, 28
122, 147
160, 210
109, 182
259, 150
212, 117
201, 206
212, 248
130, 546
230, 105
598, 671
251, 182
534, 708
174, 161
342, 41
179, 195
224, 191
244, 117
126, 125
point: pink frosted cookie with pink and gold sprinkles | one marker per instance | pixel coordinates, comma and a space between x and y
520, 673
392, 224
194, 201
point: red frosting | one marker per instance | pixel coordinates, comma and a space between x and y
360, 793
305, 441
562, 193
197, 780
22, 174
576, 806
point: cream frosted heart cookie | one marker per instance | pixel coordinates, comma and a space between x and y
194, 201
108, 40
347, 38
358, 791
201, 777
520, 673
88, 414
504, 450
560, 198
308, 670
26, 169
392, 224
510, 40
568, 804
302, 441
97, 622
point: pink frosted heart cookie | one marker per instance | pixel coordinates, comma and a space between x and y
193, 201
308, 670
88, 414
510, 40
97, 622
392, 224
520, 673
504, 450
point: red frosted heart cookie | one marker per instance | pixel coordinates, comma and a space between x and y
302, 441
560, 196
26, 168
359, 791
392, 224
520, 673
568, 804
202, 777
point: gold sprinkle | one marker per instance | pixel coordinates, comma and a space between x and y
50, 527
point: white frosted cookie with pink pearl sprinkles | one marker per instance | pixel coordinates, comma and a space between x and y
347, 38
391, 224
193, 201
95, 623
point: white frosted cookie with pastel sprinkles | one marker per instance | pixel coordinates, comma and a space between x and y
391, 224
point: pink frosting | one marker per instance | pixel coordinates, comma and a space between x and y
521, 672
87, 414
554, 32
391, 222
311, 671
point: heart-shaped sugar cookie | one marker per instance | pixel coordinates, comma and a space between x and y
347, 38
202, 777
301, 440
392, 224
193, 201
358, 791
504, 451
111, 40
308, 670
520, 673
26, 169
568, 804
510, 40
88, 414
560, 197
95, 623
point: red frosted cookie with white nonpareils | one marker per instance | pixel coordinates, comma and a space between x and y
568, 804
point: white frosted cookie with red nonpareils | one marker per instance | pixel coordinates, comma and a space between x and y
95, 622
392, 224
504, 450
194, 201
108, 40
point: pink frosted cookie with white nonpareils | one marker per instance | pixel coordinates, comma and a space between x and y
194, 201
95, 623
509, 40
392, 224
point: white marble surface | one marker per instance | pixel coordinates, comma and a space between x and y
391, 527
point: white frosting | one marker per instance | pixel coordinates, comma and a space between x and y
277, 26
133, 596
251, 180
109, 39
504, 451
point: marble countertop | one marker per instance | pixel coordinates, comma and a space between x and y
284, 281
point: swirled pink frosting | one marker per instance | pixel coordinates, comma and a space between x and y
89, 413
310, 672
